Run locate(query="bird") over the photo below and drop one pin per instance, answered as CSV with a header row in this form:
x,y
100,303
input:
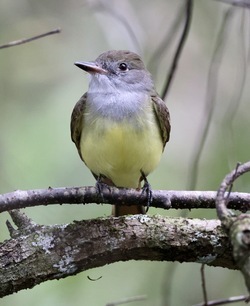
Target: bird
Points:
x,y
120,126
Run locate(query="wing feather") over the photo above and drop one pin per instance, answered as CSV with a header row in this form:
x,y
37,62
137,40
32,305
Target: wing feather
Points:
x,y
76,124
163,118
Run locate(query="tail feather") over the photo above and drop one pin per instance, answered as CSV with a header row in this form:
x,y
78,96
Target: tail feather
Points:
x,y
121,210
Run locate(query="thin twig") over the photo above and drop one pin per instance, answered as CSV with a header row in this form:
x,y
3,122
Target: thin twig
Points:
x,y
221,200
234,178
93,279
203,284
103,6
210,99
128,300
161,50
167,284
26,40
240,3
230,300
237,86
189,10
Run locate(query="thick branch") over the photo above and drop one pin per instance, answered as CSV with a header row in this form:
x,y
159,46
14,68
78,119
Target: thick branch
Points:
x,y
85,195
53,252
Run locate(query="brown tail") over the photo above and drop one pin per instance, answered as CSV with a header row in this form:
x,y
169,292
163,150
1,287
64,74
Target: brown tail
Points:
x,y
121,210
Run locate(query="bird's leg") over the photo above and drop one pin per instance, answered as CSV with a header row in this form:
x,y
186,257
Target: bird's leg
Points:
x,y
101,183
99,186
147,188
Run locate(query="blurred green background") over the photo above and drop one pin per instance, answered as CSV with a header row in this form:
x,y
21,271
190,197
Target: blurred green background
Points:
x,y
39,86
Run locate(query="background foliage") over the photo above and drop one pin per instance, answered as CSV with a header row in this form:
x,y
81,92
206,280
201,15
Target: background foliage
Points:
x,y
39,87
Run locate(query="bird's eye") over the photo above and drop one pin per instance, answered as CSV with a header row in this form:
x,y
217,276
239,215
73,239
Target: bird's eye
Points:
x,y
123,67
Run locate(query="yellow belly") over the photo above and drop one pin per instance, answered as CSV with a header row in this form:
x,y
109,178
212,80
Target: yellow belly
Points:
x,y
120,151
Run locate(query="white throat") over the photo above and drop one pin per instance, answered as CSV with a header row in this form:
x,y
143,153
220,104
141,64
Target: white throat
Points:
x,y
116,101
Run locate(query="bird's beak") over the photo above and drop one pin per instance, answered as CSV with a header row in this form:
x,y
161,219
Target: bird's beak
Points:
x,y
91,67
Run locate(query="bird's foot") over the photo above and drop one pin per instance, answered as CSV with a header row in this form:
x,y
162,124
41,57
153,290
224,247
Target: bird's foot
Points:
x,y
148,190
101,185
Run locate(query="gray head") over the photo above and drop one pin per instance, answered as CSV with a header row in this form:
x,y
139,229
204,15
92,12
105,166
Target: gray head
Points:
x,y
117,71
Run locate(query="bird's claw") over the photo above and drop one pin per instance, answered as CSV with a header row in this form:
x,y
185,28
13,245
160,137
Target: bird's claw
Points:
x,y
148,190
100,185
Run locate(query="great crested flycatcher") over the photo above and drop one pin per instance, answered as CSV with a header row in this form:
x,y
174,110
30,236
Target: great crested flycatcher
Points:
x,y
120,126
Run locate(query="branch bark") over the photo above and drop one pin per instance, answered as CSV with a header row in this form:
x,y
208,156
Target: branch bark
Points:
x,y
84,195
238,227
37,253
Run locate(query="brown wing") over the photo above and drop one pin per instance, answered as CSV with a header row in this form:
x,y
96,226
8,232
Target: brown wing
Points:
x,y
76,124
163,117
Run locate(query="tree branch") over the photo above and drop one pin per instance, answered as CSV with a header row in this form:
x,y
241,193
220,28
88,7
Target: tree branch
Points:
x,y
189,10
119,196
53,252
240,3
237,226
26,40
